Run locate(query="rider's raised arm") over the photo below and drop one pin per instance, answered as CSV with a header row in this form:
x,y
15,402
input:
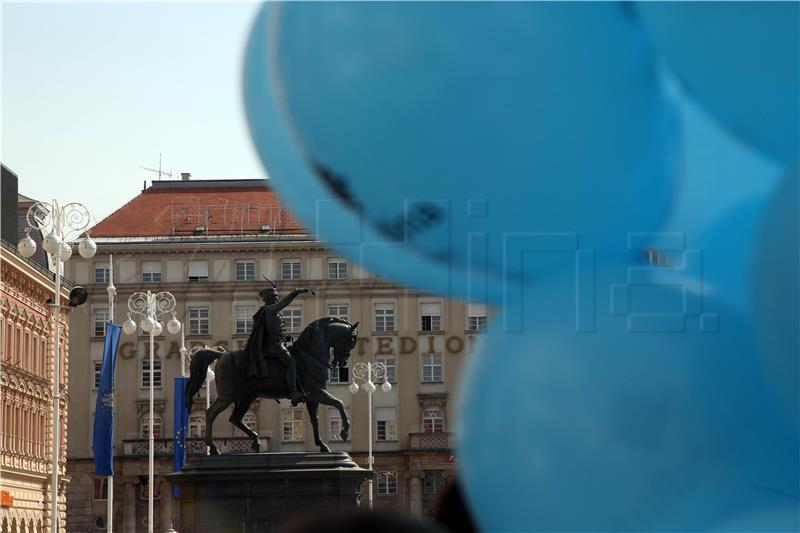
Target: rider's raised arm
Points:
x,y
286,300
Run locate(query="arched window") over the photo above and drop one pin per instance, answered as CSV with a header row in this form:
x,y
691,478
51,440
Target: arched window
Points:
x,y
433,420
197,426
144,426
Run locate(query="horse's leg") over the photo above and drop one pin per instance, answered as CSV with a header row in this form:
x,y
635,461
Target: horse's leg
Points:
x,y
239,410
326,398
216,408
312,414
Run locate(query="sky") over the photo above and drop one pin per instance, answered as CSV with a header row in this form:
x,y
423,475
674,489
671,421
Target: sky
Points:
x,y
92,92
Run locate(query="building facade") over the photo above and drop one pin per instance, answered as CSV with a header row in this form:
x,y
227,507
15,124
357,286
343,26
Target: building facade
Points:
x,y
211,243
27,368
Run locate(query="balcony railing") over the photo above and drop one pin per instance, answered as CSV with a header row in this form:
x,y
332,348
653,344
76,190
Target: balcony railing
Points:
x,y
431,441
194,446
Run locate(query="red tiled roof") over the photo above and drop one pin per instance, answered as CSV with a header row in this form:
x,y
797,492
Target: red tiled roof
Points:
x,y
219,207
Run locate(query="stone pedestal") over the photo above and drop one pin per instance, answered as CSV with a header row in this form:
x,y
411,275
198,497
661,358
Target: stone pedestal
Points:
x,y
258,492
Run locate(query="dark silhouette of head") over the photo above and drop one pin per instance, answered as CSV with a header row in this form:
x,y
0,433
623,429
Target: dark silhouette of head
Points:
x,y
269,295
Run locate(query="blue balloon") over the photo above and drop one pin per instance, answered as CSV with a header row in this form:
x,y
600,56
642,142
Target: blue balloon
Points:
x,y
603,401
776,294
467,132
741,60
341,224
717,257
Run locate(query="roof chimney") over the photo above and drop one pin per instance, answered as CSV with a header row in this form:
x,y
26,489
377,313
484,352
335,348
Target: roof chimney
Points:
x,y
185,176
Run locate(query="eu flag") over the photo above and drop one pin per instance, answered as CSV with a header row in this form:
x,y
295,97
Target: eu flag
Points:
x,y
103,438
181,425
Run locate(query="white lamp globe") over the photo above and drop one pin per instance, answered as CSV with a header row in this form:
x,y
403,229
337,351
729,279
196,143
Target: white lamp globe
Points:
x,y
129,326
353,388
87,248
386,386
157,329
370,387
51,244
27,246
148,324
66,251
174,325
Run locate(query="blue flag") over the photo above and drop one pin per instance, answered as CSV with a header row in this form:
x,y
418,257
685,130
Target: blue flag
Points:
x,y
103,438
181,417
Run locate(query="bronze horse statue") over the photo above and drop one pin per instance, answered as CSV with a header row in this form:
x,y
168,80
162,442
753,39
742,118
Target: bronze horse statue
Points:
x,y
311,350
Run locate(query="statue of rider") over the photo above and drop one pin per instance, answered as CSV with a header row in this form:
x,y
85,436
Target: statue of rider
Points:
x,y
267,339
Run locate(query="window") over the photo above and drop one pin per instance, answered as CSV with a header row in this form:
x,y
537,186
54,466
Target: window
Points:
x,y
387,483
476,317
431,316
292,425
101,273
433,420
197,426
151,271
335,424
391,368
144,431
243,319
146,373
434,481
245,270
384,317
292,319
249,420
387,423
432,369
338,310
101,317
290,269
339,375
337,269
198,270
97,366
198,321
100,489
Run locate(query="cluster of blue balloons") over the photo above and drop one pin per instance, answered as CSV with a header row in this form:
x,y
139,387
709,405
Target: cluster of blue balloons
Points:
x,y
621,180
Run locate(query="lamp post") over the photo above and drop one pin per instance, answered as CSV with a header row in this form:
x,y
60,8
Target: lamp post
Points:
x,y
151,307
60,226
365,372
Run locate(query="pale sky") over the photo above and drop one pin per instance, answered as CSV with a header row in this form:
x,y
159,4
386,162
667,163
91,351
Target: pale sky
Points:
x,y
93,91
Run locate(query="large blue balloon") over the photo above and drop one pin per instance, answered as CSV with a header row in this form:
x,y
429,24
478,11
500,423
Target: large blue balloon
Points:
x,y
741,60
641,408
776,294
341,224
470,132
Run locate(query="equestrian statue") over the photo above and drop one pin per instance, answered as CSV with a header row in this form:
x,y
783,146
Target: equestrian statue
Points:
x,y
266,368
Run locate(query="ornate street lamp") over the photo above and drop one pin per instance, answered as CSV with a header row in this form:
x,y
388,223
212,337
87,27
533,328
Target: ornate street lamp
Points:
x,y
151,307
365,372
60,226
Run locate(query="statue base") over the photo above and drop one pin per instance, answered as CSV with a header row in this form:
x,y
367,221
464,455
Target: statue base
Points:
x,y
259,492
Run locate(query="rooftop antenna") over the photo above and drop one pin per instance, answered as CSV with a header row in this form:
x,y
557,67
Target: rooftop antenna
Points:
x,y
158,171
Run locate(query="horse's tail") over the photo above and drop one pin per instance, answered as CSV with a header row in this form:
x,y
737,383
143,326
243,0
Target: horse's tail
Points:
x,y
197,374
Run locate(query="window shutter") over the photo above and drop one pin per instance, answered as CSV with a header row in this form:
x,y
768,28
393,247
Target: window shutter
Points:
x,y
431,308
474,309
198,269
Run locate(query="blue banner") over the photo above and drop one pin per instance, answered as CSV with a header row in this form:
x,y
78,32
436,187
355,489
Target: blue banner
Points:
x,y
181,418
103,437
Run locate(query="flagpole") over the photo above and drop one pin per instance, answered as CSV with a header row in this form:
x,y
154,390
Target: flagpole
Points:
x,y
112,295
183,353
